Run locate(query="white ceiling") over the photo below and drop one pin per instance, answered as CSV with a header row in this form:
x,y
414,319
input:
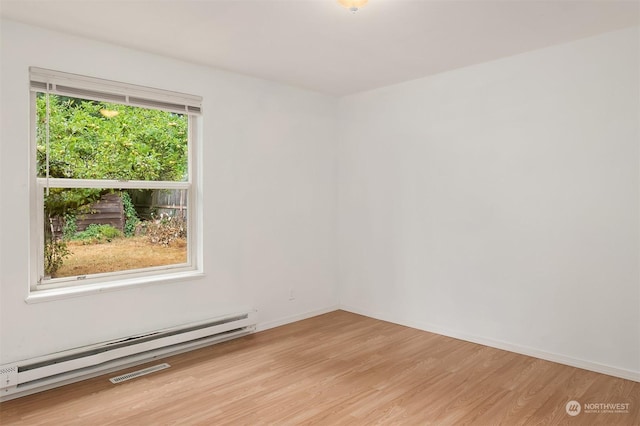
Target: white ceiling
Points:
x,y
319,45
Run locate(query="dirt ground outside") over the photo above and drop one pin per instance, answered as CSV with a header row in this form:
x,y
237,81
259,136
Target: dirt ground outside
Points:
x,y
120,254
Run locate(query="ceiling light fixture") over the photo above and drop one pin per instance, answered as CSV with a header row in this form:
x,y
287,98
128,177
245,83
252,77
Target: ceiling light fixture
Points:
x,y
353,5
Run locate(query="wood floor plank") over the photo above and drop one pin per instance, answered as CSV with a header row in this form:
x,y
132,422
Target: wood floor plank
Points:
x,y
334,369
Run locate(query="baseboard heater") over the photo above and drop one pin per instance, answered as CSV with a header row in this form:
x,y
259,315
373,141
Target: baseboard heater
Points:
x,y
49,371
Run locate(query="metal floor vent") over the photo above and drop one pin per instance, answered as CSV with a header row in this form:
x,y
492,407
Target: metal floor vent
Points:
x,y
134,374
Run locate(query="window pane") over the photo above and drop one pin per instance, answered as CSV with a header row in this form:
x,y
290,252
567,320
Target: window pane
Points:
x,y
92,231
100,140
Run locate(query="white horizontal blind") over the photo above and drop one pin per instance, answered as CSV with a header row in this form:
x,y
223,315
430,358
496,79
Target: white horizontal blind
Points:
x,y
66,84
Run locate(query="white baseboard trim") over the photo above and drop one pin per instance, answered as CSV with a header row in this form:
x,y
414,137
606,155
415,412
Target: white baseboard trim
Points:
x,y
262,326
498,344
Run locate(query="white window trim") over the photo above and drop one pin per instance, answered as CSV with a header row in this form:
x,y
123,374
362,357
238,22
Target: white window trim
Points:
x,y
97,283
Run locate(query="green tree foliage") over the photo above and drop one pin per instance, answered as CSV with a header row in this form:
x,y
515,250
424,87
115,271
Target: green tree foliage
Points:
x,y
99,140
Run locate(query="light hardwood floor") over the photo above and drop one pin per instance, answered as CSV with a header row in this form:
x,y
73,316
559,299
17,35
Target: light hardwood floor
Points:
x,y
338,368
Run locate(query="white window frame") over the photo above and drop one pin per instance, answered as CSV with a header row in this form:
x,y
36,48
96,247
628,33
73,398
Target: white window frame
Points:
x,y
56,82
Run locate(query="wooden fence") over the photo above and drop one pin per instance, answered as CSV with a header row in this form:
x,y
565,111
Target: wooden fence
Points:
x,y
153,203
109,210
106,211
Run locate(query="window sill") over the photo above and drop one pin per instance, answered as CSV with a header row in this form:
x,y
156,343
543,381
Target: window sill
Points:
x,y
37,296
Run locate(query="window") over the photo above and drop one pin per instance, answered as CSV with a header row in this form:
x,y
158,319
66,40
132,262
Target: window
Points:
x,y
113,182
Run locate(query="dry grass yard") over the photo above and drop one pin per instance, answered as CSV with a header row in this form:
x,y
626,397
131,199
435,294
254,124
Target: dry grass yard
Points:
x,y
120,254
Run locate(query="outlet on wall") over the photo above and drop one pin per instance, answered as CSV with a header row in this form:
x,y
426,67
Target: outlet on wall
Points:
x,y
292,294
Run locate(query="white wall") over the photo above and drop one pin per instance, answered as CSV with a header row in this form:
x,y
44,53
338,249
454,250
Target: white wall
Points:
x,y
497,203
500,203
269,199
